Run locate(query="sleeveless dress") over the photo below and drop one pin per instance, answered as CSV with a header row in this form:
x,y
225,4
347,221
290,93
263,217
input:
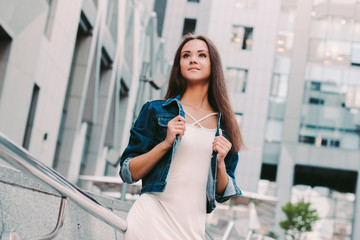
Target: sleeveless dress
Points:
x,y
180,211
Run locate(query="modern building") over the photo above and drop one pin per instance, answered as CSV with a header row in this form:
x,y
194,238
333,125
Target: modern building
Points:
x,y
71,74
293,74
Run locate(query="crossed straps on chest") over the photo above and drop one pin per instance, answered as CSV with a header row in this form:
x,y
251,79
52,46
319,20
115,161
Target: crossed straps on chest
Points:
x,y
197,122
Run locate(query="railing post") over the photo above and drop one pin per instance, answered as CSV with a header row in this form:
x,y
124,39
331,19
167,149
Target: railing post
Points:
x,y
11,235
124,187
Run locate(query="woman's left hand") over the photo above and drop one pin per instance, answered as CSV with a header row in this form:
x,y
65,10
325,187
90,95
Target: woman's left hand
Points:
x,y
222,146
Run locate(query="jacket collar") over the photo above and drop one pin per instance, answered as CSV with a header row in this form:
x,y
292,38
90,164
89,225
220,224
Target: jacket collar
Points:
x,y
177,99
170,100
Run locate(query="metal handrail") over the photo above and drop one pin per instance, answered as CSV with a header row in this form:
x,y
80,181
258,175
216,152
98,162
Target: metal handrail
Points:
x,y
21,159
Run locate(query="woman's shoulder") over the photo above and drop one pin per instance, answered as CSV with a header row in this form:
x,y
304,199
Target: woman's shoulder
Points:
x,y
155,105
161,107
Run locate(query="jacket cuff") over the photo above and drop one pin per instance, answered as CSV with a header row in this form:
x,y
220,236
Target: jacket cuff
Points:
x,y
125,171
231,190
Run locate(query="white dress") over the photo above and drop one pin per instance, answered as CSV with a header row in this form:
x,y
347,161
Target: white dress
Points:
x,y
180,211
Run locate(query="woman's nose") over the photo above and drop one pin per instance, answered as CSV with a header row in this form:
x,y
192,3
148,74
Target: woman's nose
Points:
x,y
193,59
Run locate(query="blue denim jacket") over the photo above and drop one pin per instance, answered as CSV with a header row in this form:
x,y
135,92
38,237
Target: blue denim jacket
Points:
x,y
150,129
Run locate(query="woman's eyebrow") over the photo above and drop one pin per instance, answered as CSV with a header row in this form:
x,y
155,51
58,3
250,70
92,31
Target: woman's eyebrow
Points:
x,y
188,51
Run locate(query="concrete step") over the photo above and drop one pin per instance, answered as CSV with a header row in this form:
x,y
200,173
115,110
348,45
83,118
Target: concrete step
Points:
x,y
31,208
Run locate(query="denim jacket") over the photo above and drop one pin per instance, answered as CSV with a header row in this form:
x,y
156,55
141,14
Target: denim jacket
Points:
x,y
150,129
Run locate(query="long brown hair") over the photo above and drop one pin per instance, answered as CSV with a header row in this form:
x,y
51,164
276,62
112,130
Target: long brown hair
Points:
x,y
217,93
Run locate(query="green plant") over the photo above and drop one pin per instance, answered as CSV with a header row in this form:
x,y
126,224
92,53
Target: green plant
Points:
x,y
300,218
272,235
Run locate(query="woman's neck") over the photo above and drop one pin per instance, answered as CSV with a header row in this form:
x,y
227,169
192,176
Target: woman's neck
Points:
x,y
196,97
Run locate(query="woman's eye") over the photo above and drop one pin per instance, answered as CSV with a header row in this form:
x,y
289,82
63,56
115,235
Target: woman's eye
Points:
x,y
186,55
202,55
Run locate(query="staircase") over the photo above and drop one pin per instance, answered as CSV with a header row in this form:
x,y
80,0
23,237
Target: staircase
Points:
x,y
31,208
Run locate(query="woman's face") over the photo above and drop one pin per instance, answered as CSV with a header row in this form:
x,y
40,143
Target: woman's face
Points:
x,y
195,61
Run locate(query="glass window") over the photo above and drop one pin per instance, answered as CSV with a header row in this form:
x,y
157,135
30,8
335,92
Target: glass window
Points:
x,y
282,64
355,54
110,12
241,38
316,50
274,130
31,117
189,26
320,27
236,79
246,3
287,18
239,118
279,86
268,171
356,34
340,28
337,52
50,18
160,8
330,51
317,2
284,41
353,97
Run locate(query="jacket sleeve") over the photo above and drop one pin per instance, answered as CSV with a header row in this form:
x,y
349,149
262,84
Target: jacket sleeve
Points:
x,y
141,141
231,189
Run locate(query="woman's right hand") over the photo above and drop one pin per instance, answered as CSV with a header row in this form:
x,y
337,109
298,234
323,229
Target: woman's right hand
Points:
x,y
176,126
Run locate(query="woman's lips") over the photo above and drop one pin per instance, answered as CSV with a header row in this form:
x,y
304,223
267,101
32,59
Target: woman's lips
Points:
x,y
193,69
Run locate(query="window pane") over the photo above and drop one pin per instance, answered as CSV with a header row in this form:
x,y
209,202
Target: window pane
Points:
x,y
284,41
355,54
274,130
279,85
287,18
246,3
239,117
236,80
282,64
316,50
356,31
189,26
340,28
241,38
337,52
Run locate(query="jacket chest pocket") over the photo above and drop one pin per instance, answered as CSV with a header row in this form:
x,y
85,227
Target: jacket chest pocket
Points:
x,y
162,126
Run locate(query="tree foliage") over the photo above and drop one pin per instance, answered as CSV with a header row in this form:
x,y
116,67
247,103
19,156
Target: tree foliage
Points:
x,y
300,218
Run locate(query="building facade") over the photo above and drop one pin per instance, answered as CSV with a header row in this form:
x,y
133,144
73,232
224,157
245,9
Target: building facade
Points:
x,y
70,78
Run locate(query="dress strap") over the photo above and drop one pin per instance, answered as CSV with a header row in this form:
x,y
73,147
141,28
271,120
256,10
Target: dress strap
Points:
x,y
200,120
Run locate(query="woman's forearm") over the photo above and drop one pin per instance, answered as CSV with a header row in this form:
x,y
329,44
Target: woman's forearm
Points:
x,y
221,178
142,164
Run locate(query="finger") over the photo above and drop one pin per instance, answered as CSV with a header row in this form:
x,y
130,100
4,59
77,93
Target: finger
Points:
x,y
220,145
178,132
179,124
223,140
215,148
174,124
220,132
179,118
219,151
181,133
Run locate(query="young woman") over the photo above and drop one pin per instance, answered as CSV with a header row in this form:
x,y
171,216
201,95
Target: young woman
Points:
x,y
179,149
